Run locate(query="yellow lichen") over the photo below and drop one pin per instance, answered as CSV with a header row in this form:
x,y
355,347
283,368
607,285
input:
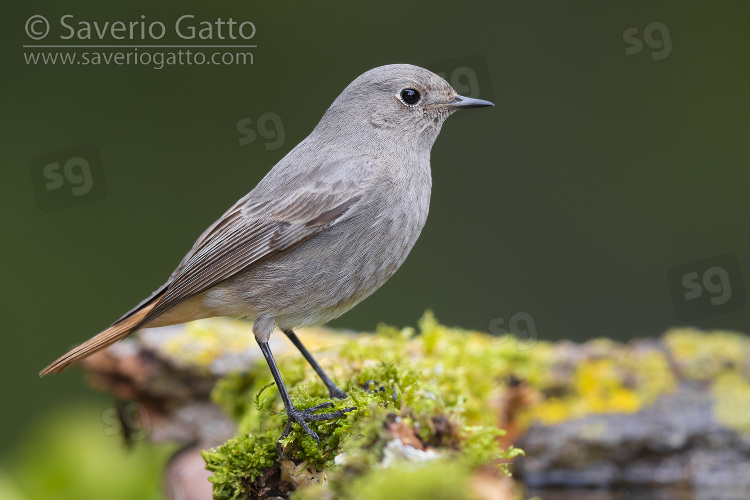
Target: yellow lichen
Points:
x,y
612,378
437,370
731,393
704,355
204,341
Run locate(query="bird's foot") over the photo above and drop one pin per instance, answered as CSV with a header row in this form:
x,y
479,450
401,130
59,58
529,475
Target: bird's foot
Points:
x,y
337,393
301,417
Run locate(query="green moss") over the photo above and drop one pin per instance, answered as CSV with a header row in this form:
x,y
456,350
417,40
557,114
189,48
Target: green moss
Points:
x,y
239,462
234,393
480,447
443,385
438,480
436,373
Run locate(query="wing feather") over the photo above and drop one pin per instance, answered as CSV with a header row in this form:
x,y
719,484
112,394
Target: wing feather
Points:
x,y
256,228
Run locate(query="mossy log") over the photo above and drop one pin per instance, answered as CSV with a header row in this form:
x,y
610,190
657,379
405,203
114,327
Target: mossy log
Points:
x,y
438,414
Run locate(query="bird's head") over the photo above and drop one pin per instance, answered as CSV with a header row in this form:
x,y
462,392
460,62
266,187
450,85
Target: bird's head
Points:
x,y
401,101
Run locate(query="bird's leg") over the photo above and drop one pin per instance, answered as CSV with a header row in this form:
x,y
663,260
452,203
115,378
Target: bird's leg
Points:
x,y
333,390
262,329
296,415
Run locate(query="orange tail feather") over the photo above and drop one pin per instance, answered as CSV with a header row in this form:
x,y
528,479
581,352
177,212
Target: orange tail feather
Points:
x,y
113,334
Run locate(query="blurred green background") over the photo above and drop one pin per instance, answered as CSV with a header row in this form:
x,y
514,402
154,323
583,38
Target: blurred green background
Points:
x,y
617,150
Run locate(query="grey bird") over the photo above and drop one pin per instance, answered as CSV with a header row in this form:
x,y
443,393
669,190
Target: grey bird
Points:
x,y
327,226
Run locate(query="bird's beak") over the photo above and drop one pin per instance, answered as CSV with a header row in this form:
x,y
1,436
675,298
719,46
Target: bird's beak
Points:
x,y
461,102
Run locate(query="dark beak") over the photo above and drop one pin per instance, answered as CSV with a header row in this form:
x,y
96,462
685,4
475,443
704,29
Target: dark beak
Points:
x,y
461,102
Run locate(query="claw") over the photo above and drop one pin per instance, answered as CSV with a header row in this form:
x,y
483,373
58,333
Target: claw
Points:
x,y
301,417
327,404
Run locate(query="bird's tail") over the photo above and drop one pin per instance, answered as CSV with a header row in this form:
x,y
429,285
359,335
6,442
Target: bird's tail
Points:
x,y
113,334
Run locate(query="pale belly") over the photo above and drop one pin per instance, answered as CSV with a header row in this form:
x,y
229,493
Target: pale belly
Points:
x,y
320,279
324,276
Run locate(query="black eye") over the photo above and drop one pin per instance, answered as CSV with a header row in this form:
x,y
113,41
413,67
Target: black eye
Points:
x,y
410,96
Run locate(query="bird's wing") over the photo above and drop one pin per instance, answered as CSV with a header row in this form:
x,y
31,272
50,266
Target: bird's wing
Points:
x,y
265,222
228,215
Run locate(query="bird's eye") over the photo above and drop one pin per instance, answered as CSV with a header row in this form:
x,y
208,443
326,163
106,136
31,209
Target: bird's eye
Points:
x,y
410,97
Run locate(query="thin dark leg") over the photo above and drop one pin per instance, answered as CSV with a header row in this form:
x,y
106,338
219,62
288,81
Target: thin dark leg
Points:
x,y
299,416
276,374
333,390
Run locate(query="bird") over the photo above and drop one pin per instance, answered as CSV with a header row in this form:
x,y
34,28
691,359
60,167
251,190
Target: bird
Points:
x,y
325,228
